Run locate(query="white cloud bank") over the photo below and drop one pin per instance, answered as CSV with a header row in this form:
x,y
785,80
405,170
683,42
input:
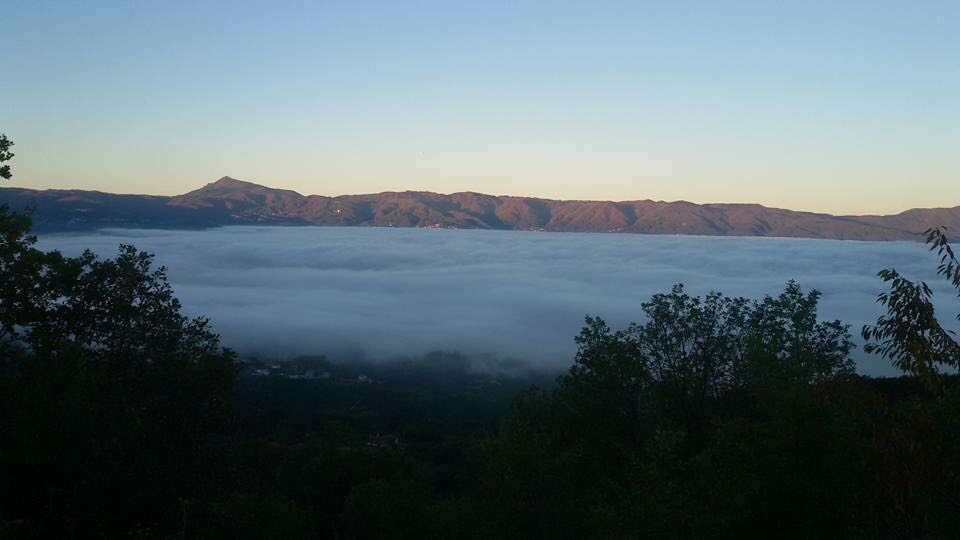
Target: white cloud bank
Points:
x,y
278,291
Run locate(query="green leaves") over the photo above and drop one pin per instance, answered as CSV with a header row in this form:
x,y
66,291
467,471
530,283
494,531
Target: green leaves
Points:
x,y
909,334
686,424
5,155
949,267
705,346
108,393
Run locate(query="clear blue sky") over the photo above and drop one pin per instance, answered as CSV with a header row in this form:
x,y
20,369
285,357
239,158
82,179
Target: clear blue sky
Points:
x,y
835,106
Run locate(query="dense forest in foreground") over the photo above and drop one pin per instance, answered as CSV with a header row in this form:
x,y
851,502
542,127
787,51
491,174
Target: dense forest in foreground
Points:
x,y
712,417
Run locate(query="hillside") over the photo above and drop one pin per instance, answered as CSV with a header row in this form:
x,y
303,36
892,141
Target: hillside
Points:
x,y
234,202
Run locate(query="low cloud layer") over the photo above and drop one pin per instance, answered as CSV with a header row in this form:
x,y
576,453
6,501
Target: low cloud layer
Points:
x,y
383,293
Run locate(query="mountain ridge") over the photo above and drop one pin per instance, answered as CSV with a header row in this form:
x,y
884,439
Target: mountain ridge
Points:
x,y
229,201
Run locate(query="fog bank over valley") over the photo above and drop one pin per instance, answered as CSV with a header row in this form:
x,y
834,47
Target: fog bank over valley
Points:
x,y
382,293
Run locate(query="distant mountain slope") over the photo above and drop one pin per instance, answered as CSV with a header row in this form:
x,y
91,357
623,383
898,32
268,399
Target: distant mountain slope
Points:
x,y
233,202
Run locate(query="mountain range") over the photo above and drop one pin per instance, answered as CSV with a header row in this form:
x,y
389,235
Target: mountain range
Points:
x,y
234,202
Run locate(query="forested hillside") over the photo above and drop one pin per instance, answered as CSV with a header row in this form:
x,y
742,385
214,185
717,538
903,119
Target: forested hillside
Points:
x,y
233,202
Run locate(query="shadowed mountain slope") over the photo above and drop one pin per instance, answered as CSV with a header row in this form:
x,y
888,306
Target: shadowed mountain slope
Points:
x,y
234,202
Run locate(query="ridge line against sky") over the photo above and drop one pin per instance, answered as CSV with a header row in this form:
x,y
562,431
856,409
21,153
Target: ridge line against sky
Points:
x,y
946,206
841,108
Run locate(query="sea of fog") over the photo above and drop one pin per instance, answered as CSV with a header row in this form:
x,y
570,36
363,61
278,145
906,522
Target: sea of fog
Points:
x,y
380,293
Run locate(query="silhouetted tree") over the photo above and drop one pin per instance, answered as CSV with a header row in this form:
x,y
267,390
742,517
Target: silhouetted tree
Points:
x,y
920,449
5,155
910,335
687,425
111,400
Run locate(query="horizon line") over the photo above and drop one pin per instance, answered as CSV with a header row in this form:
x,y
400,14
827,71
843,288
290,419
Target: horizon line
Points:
x,y
537,197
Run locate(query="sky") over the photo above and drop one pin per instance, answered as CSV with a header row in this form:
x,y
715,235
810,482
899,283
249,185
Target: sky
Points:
x,y
841,107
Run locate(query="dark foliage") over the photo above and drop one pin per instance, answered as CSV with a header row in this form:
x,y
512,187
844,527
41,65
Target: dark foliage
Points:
x,y
910,334
112,402
5,155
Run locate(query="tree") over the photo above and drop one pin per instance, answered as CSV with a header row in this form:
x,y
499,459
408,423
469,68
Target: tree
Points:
x,y
692,352
921,448
19,262
5,155
629,443
111,400
909,334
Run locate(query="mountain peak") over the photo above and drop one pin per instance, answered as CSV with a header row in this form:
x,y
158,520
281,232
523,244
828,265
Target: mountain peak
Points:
x,y
227,181
232,184
229,188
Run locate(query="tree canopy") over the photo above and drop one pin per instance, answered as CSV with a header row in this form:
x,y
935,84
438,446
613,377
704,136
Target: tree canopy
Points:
x,y
109,395
909,334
